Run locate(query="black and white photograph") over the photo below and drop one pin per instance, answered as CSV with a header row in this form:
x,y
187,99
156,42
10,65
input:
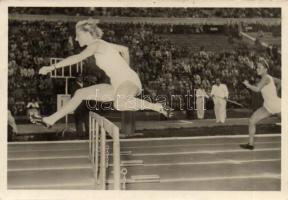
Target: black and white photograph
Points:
x,y
182,98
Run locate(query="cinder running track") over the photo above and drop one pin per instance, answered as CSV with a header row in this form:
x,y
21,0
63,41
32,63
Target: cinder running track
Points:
x,y
186,163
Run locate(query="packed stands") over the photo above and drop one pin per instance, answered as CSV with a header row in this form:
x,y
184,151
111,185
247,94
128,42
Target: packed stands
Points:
x,y
155,12
169,59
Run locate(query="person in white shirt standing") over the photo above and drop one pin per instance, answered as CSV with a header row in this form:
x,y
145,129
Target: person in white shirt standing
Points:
x,y
219,93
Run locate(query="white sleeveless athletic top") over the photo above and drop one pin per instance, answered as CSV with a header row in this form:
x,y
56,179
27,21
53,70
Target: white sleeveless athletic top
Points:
x,y
271,100
110,61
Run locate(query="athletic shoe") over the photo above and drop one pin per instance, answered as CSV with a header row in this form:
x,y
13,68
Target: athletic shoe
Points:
x,y
39,120
166,111
247,146
32,119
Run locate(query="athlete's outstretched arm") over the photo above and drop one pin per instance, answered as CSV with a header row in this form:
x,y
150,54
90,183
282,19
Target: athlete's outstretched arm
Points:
x,y
90,50
264,81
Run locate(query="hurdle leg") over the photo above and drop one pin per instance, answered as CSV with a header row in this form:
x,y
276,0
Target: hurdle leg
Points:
x,y
90,136
116,159
103,159
96,149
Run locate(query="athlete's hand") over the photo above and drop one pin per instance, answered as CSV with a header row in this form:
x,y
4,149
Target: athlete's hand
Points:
x,y
246,83
45,70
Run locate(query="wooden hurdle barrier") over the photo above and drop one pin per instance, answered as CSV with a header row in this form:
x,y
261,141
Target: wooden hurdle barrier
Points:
x,y
99,128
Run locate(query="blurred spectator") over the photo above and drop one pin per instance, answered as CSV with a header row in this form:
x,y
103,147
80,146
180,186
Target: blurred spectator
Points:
x,y
200,101
33,109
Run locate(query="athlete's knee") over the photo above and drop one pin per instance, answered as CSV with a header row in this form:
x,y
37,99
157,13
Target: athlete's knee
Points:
x,y
79,94
252,122
123,104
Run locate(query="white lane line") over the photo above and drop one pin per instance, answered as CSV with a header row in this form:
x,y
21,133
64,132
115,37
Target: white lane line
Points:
x,y
47,158
205,152
55,186
187,121
145,139
198,137
48,142
221,178
260,176
191,145
88,166
133,147
180,122
235,162
152,154
50,150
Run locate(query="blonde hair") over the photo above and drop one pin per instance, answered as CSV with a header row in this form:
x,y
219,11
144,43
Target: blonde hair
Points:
x,y
90,25
263,61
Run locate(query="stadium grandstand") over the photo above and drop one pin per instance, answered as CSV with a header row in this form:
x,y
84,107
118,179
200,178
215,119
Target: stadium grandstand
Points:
x,y
156,12
169,48
173,50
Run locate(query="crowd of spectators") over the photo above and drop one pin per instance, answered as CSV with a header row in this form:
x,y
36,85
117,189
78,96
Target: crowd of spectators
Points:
x,y
153,12
164,67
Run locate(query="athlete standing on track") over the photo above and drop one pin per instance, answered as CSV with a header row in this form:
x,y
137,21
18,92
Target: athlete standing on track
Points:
x,y
113,59
272,103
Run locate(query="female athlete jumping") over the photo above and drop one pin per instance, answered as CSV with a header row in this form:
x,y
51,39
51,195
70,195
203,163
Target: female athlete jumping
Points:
x,y
272,103
111,58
